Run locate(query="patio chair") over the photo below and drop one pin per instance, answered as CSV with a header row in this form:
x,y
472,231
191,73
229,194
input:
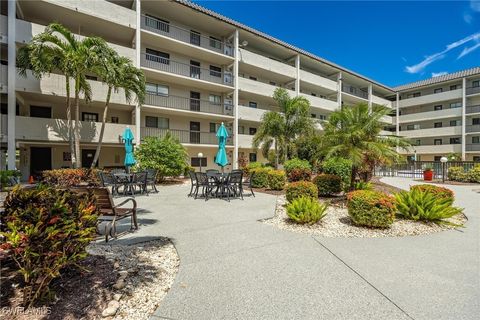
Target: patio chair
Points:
x,y
193,182
107,180
110,213
117,170
202,181
139,180
248,183
211,172
235,183
152,178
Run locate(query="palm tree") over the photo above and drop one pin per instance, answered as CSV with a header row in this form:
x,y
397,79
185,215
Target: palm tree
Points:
x,y
282,128
354,133
118,73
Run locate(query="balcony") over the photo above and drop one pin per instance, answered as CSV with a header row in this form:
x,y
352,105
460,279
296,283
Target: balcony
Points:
x,y
432,132
434,149
186,71
472,109
185,136
3,78
259,88
431,115
432,98
189,104
267,64
472,128
472,90
55,130
317,80
381,101
179,34
354,91
322,103
472,147
245,141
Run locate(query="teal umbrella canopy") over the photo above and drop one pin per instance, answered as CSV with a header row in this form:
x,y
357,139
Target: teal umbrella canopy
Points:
x,y
127,138
221,157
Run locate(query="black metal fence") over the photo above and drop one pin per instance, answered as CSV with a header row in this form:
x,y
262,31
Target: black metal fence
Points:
x,y
414,169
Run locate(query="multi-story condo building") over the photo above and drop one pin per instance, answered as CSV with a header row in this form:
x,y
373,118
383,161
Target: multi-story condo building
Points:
x,y
202,69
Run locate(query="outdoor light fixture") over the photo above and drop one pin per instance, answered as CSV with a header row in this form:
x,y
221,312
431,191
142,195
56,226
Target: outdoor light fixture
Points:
x,y
200,156
244,43
443,160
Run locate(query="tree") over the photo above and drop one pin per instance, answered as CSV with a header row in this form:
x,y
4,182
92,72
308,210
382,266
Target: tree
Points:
x,y
167,155
309,147
280,129
118,73
354,133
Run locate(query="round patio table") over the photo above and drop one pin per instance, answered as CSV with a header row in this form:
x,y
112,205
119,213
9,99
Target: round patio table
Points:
x,y
125,179
218,180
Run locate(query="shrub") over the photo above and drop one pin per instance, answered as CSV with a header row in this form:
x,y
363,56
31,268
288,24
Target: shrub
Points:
x,y
306,210
362,185
328,184
456,174
46,230
276,179
371,208
260,177
474,174
439,192
66,178
340,167
187,170
301,189
166,155
8,177
421,204
298,170
253,165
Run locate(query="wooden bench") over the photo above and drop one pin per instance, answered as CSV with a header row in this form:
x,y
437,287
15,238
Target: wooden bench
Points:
x,y
111,213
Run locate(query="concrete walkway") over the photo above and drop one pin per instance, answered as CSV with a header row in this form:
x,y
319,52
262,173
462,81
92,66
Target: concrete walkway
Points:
x,y
234,267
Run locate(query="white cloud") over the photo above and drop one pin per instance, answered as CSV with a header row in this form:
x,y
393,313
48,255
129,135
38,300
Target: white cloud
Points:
x,y
419,67
467,17
475,5
468,50
438,74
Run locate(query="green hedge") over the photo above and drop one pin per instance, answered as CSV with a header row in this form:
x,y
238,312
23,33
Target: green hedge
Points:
x,y
260,177
328,184
298,170
459,174
276,179
340,167
301,189
371,208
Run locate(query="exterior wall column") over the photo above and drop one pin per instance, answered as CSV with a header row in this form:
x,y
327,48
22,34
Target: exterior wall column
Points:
x,y
370,93
137,55
464,117
397,116
12,152
235,100
339,89
297,79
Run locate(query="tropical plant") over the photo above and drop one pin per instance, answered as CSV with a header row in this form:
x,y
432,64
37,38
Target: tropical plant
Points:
x,y
301,189
354,133
166,155
66,178
474,174
438,192
340,167
328,184
280,129
7,177
298,170
457,174
45,230
276,179
260,177
306,210
309,147
371,208
362,185
418,204
118,73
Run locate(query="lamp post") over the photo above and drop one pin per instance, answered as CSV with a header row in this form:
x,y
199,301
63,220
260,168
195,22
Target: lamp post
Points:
x,y
443,160
200,156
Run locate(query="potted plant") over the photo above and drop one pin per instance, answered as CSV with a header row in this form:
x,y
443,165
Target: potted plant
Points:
x,y
428,173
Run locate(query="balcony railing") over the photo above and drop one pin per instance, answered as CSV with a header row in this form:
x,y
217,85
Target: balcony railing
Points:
x,y
472,147
190,104
472,90
473,109
184,136
172,31
473,128
187,70
354,91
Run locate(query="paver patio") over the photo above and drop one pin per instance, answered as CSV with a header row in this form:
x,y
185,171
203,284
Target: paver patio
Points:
x,y
234,267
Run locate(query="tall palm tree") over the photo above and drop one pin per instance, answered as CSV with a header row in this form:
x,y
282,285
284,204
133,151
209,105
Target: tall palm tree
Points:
x,y
283,127
354,133
118,73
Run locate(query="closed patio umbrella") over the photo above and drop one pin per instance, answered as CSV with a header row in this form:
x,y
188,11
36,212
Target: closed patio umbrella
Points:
x,y
221,157
127,138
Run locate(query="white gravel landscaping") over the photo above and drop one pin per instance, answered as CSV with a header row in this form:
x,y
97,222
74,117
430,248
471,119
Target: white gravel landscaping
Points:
x,y
145,271
337,224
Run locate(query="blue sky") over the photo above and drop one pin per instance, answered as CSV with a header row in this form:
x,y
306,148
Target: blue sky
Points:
x,y
393,42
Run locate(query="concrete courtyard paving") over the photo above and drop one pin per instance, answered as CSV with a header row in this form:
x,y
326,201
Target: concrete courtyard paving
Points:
x,y
234,267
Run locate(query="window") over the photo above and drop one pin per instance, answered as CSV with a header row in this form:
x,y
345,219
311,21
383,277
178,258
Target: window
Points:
x,y
252,131
151,122
197,162
410,127
437,142
313,94
157,56
455,141
417,142
252,157
40,112
195,37
437,158
438,107
272,83
91,77
438,90
476,139
475,121
476,84
215,99
215,71
114,120
156,89
476,158
252,104
215,43
241,130
413,95
157,23
313,115
455,105
453,87
163,123
454,123
88,116
214,126
322,117
252,78
437,125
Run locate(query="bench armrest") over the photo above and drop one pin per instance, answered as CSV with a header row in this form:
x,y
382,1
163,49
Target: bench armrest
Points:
x,y
127,200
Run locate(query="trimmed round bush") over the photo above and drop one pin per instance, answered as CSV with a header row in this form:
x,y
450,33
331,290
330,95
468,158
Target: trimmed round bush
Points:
x,y
298,170
300,175
474,174
328,184
251,166
456,174
371,208
260,177
439,192
276,179
301,189
306,210
340,167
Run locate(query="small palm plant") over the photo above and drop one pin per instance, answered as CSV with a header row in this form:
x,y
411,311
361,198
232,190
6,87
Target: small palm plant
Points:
x,y
306,210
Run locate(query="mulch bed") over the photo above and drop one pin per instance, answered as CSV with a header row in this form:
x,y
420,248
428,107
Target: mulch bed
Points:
x,y
267,191
383,187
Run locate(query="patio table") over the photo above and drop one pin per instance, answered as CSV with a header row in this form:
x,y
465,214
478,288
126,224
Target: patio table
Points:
x,y
125,179
218,180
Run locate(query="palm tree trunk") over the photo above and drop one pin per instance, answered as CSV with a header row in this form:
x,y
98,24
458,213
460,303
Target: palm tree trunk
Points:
x,y
78,163
353,177
69,123
276,154
102,130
